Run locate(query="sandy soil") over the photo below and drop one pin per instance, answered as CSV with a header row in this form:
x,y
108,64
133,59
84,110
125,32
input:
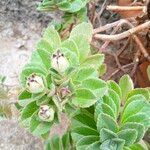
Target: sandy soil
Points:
x,y
20,29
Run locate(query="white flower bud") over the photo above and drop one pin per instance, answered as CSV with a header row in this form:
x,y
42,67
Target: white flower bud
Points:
x,y
64,91
59,62
35,84
46,113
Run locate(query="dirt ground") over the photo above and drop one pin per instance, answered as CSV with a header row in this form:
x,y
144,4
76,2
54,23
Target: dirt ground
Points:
x,y
21,26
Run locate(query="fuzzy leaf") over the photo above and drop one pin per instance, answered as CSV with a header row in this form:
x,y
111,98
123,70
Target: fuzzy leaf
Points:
x,y
93,146
143,91
134,98
83,46
126,85
24,98
84,98
29,69
115,97
141,118
38,127
41,57
28,110
45,45
52,36
85,73
114,86
139,146
113,144
71,56
83,120
94,61
72,6
53,143
98,86
129,135
109,101
104,108
83,29
87,140
105,121
71,45
135,107
137,126
102,70
85,131
106,134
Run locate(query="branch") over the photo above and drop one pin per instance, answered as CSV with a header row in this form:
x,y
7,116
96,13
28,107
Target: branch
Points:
x,y
124,34
126,8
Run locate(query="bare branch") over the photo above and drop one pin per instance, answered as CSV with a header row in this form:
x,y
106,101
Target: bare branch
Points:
x,y
123,35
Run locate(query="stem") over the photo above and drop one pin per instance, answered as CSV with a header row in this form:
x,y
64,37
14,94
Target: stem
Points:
x,y
124,34
107,26
126,8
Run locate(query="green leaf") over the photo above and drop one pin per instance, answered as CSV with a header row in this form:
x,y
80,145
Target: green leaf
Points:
x,y
85,73
141,118
42,100
77,5
52,36
55,143
45,45
129,135
24,98
105,121
41,57
142,91
109,101
115,97
83,119
38,127
87,140
84,29
71,45
29,69
137,126
83,131
135,107
134,98
102,70
84,98
104,108
126,85
93,146
71,56
106,134
139,146
94,61
98,86
113,144
66,141
83,46
28,110
114,86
